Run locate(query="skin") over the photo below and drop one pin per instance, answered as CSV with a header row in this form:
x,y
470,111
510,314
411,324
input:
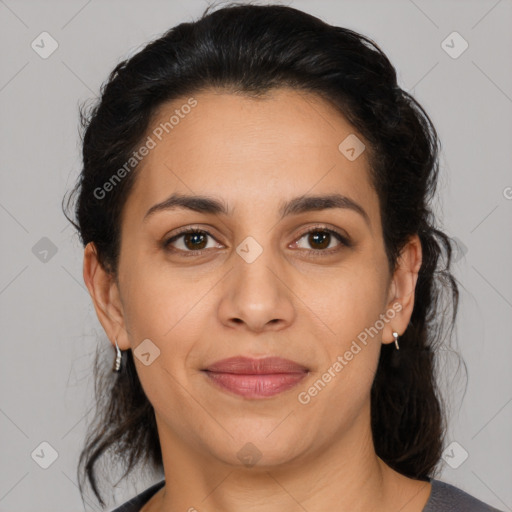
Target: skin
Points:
x,y
254,154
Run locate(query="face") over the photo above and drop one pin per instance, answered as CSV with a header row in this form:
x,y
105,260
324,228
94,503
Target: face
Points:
x,y
267,274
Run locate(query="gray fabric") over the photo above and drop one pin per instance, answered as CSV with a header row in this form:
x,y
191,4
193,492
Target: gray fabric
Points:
x,y
443,498
448,498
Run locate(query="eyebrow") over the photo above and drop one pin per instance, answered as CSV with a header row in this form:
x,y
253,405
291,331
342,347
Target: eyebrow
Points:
x,y
295,206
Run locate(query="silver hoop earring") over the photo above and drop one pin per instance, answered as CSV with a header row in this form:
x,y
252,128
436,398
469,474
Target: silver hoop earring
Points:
x,y
395,335
117,362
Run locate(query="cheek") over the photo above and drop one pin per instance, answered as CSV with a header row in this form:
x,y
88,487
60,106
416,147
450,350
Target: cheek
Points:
x,y
349,302
341,385
172,309
168,312
160,307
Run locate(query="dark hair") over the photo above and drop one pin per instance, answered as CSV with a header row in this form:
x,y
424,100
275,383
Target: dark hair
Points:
x,y
252,49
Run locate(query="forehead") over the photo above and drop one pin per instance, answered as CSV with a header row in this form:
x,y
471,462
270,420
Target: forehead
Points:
x,y
251,151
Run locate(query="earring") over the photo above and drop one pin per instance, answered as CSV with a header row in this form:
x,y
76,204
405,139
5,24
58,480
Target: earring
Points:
x,y
117,362
395,335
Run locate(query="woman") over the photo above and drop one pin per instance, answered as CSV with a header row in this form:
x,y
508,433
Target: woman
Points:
x,y
260,250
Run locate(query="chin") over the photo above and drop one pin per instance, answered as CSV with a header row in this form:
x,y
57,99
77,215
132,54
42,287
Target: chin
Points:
x,y
256,449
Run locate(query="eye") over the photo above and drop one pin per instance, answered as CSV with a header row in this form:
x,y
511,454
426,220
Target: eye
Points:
x,y
193,241
321,240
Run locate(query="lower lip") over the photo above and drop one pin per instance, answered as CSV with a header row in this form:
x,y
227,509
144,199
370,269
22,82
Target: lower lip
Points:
x,y
256,386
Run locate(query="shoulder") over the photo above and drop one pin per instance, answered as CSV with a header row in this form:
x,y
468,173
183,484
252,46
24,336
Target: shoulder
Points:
x,y
137,502
445,497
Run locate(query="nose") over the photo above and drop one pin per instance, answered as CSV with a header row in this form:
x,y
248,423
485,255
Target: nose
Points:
x,y
257,296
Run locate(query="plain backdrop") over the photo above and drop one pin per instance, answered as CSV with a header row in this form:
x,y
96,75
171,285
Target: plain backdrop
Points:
x,y
49,327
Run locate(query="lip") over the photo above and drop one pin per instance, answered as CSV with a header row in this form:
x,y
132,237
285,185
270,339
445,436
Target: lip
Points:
x,y
256,378
251,366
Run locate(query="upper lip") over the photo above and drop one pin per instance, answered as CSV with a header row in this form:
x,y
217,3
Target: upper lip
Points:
x,y
250,366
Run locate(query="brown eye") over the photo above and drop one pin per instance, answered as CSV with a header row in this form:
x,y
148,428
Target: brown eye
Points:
x,y
191,240
195,241
322,240
319,239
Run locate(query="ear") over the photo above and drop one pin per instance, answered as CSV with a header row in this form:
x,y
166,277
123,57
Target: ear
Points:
x,y
104,292
402,289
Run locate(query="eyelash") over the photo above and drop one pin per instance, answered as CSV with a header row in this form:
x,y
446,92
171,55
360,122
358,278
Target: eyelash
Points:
x,y
314,252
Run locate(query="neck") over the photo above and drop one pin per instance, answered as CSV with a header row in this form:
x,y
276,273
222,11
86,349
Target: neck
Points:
x,y
346,475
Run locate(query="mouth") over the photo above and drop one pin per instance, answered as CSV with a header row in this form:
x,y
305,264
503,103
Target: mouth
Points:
x,y
255,378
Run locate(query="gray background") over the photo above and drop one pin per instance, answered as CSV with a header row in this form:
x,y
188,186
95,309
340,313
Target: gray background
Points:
x,y
49,327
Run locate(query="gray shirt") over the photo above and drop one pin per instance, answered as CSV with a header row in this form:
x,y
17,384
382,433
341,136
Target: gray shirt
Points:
x,y
443,498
